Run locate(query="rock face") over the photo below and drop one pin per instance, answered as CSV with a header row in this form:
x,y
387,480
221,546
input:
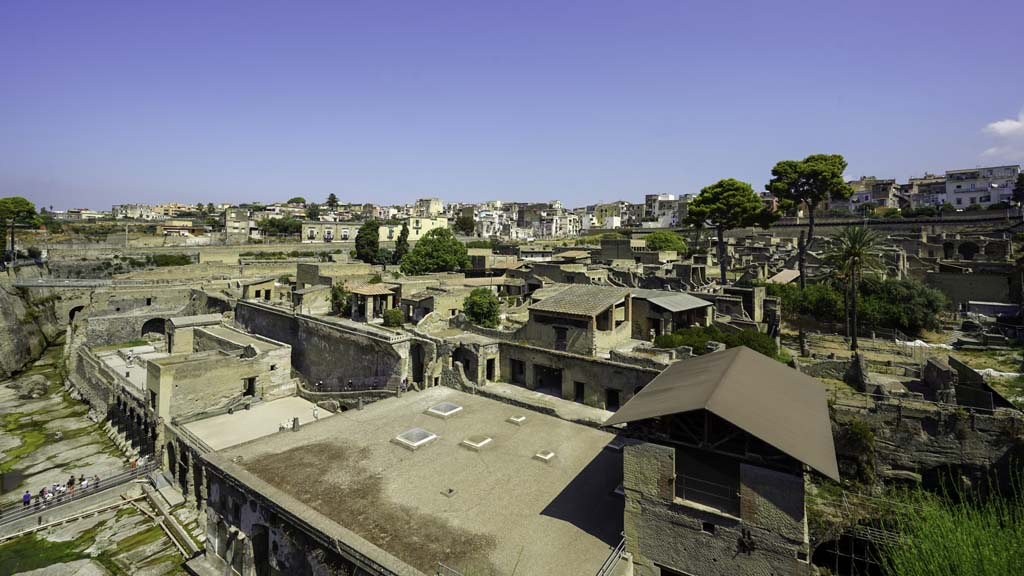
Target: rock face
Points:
x,y
27,324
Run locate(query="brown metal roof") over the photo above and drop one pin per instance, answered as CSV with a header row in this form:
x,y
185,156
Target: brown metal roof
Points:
x,y
767,399
371,289
581,300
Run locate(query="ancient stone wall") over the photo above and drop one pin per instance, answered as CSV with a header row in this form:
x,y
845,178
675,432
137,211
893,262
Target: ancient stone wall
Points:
x,y
322,352
662,531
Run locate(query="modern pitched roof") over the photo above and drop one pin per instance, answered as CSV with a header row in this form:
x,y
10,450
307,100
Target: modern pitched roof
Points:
x,y
671,301
765,398
784,277
581,300
378,289
198,320
573,254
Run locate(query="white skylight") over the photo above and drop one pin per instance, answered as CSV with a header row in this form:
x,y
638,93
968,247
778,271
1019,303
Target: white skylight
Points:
x,y
444,410
476,442
415,438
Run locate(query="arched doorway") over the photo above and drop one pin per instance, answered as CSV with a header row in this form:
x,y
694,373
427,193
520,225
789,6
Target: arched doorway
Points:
x,y
154,326
183,472
74,312
948,250
172,458
416,359
968,250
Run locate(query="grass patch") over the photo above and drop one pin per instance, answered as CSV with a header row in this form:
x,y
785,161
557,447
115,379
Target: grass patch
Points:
x,y
32,552
140,539
951,534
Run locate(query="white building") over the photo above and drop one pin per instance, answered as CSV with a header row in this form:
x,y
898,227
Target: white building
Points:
x,y
981,186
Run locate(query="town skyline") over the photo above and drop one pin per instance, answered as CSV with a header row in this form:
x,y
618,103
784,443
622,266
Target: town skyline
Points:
x,y
585,104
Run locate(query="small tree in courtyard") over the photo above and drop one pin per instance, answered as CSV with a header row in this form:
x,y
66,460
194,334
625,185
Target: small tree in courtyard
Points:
x,y
482,308
393,317
340,298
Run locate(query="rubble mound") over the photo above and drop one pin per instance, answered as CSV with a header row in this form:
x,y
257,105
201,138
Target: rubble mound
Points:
x,y
29,387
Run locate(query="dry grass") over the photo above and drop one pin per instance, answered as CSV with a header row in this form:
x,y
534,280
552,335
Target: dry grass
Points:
x,y
357,501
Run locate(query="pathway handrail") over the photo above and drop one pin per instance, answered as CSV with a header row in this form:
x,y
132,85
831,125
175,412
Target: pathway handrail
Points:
x,y
16,510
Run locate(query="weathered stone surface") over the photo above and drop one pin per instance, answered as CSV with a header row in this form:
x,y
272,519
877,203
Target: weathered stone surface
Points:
x,y
76,568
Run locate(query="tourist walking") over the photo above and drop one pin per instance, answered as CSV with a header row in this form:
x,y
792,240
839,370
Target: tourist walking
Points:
x,y
26,499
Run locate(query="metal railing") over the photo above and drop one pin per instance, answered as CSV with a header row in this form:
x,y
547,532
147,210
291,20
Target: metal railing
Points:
x,y
17,510
613,559
444,570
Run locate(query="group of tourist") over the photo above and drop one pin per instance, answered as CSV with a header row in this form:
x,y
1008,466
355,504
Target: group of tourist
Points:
x,y
59,491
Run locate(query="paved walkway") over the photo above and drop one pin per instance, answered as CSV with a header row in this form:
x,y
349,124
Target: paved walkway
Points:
x,y
261,420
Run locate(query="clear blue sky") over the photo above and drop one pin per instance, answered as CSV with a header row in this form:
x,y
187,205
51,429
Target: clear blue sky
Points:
x,y
583,101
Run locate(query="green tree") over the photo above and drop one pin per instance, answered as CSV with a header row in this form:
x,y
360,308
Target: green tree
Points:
x,y
725,205
853,251
665,240
279,226
465,225
437,251
296,200
16,210
313,212
402,244
332,201
482,308
393,317
1018,189
340,298
810,181
210,209
368,241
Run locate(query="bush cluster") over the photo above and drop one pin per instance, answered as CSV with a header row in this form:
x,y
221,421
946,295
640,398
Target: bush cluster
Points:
x,y
905,305
698,337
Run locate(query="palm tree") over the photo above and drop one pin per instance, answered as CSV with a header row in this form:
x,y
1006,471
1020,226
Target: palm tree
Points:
x,y
852,252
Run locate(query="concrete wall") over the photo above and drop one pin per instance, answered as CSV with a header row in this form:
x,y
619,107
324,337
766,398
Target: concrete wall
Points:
x,y
960,288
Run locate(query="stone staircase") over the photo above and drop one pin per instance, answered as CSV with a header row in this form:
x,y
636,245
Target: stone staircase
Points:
x,y
120,440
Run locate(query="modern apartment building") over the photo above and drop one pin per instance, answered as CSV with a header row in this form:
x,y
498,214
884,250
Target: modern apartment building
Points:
x,y
980,186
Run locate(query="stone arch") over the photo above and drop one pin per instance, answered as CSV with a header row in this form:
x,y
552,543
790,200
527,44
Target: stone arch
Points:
x,y
995,250
172,458
468,358
154,326
417,362
74,312
968,250
948,250
183,471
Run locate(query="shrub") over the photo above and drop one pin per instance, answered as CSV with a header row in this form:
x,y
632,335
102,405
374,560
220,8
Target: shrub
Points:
x,y
393,317
482,308
161,260
698,337
340,298
664,240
